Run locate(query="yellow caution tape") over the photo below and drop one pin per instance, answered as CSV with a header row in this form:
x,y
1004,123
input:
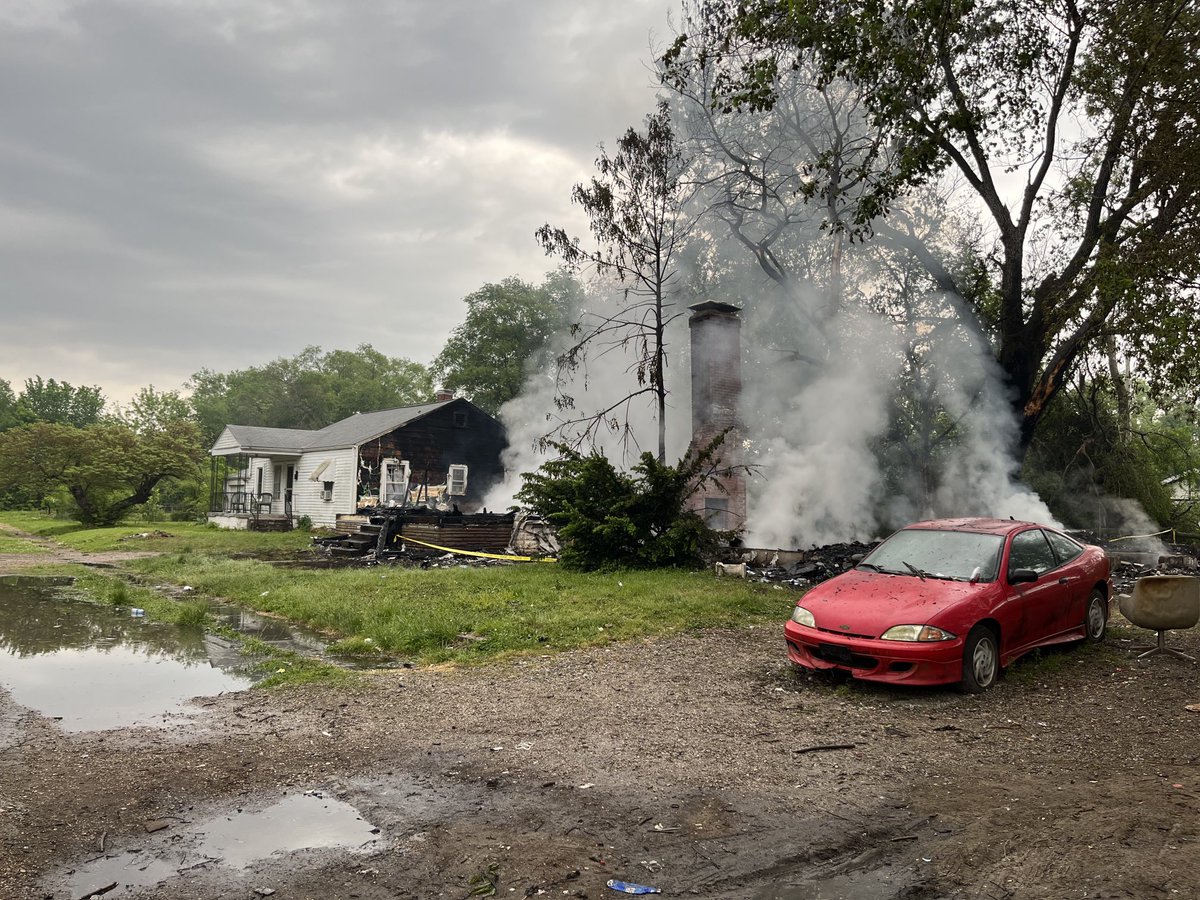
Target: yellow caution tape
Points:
x,y
1130,537
407,539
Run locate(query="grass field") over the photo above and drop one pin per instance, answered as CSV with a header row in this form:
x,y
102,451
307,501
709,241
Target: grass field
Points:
x,y
436,615
188,537
464,615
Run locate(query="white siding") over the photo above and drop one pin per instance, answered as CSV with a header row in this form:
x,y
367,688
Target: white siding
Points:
x,y
306,493
225,442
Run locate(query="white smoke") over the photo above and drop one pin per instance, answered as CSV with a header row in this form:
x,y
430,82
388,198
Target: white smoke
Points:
x,y
818,480
603,378
826,429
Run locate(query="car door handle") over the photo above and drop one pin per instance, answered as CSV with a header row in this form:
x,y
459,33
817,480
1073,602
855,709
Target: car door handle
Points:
x,y
1064,580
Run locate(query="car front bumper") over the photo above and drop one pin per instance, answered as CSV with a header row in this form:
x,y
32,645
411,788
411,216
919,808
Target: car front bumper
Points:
x,y
897,662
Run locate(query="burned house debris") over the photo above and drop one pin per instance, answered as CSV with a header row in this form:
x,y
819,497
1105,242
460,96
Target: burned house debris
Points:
x,y
439,458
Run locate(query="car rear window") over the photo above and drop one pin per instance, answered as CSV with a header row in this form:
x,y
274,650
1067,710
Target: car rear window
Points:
x,y
1065,548
941,554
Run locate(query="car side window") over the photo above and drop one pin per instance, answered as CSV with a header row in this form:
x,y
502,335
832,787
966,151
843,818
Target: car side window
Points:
x,y
1031,551
1064,548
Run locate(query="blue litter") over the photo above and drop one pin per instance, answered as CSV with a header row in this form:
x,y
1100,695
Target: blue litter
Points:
x,y
628,887
137,613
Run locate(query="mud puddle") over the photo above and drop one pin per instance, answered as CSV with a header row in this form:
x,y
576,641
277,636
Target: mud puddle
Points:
x,y
94,667
242,843
885,883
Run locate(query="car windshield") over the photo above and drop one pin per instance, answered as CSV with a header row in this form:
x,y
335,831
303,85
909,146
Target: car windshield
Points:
x,y
924,553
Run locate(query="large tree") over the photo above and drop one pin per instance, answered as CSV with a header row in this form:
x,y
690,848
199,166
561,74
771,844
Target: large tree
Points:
x,y
309,390
9,413
1073,123
637,211
48,400
506,334
106,469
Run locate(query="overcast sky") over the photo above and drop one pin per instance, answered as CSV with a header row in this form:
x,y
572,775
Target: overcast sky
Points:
x,y
217,183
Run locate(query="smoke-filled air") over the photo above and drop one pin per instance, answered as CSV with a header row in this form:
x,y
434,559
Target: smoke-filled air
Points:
x,y
871,396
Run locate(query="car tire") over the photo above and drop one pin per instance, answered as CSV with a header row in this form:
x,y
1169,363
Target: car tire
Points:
x,y
981,660
1095,617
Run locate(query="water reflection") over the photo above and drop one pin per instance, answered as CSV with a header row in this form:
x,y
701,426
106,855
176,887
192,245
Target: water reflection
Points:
x,y
95,667
301,822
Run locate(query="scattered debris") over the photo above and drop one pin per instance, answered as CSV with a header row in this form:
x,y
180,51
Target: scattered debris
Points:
x,y
628,887
137,613
734,570
484,883
143,535
156,825
799,568
533,536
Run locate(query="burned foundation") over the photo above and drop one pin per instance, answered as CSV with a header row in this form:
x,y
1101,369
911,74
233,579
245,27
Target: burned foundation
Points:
x,y
716,396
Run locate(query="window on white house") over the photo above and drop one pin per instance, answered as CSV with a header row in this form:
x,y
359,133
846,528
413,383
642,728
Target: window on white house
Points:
x,y
327,490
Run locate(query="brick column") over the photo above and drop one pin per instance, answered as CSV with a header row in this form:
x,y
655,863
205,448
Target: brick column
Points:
x,y
716,397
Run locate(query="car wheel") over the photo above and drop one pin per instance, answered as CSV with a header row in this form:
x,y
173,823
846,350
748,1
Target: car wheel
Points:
x,y
1096,617
981,660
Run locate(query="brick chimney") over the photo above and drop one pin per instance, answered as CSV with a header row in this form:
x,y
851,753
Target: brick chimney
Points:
x,y
716,330
443,395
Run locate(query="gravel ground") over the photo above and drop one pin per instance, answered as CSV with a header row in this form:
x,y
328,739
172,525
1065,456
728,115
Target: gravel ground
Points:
x,y
683,763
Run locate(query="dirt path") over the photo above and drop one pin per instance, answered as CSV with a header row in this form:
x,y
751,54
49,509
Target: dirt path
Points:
x,y
51,552
677,763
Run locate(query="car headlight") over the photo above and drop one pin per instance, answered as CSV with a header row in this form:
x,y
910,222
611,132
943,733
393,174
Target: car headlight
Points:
x,y
915,633
802,616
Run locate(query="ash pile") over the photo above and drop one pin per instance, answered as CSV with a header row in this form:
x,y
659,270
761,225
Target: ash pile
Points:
x,y
1167,559
796,568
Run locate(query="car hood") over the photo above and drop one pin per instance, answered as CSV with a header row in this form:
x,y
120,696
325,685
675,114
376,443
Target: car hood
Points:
x,y
869,603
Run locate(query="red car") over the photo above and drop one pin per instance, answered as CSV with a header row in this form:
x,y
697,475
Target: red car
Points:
x,y
953,600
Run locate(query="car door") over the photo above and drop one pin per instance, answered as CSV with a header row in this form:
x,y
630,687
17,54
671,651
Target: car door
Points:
x,y
1038,604
1073,569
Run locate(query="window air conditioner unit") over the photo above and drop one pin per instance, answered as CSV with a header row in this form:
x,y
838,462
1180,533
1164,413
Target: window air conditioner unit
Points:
x,y
327,491
456,483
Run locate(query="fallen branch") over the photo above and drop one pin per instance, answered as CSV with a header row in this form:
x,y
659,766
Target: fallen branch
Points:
x,y
818,748
99,891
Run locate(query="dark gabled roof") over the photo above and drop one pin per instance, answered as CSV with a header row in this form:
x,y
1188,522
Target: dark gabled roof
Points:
x,y
362,427
349,432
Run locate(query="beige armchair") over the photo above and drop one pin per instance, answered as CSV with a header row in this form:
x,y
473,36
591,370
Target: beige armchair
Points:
x,y
1160,603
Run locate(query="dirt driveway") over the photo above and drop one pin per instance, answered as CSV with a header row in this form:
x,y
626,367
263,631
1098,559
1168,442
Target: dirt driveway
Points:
x,y
682,763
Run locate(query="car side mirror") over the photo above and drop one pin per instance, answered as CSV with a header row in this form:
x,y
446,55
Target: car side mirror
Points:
x,y
1022,576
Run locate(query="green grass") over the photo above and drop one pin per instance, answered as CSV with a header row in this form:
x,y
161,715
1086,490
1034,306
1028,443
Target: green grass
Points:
x,y
12,544
184,536
468,615
277,667
460,615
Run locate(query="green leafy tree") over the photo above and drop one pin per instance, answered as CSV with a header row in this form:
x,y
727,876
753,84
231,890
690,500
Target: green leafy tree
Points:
x,y
60,403
637,207
1102,229
309,390
608,518
152,410
9,412
505,335
106,469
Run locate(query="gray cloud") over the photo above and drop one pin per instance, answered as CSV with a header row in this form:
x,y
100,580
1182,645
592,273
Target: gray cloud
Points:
x,y
187,184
